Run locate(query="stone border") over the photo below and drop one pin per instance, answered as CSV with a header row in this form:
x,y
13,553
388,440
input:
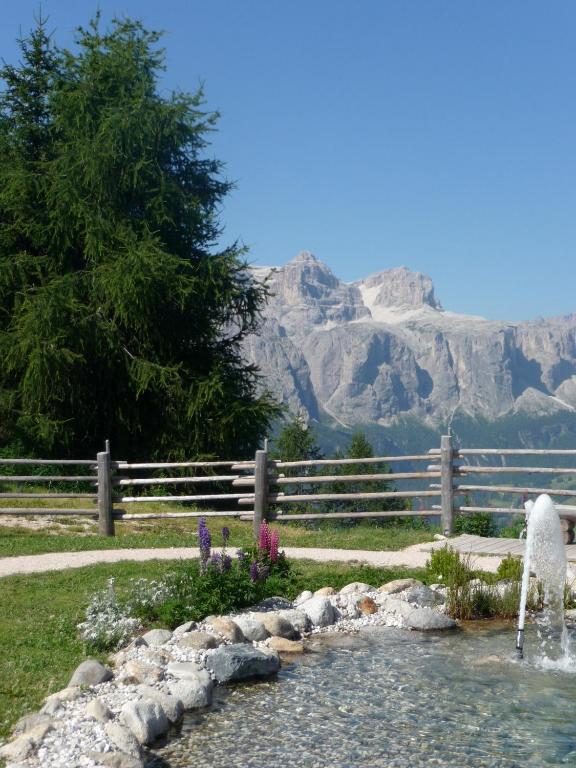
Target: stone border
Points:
x,y
107,718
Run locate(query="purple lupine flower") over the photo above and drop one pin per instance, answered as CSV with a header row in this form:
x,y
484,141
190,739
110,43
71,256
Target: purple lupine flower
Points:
x,y
225,533
254,571
240,554
226,563
216,559
264,537
205,542
274,542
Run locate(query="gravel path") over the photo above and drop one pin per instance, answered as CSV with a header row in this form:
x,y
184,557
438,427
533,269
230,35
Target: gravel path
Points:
x,y
412,557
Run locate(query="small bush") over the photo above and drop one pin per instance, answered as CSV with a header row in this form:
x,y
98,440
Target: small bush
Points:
x,y
510,568
477,524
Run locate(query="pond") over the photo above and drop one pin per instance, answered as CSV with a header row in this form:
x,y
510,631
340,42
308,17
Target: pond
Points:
x,y
393,699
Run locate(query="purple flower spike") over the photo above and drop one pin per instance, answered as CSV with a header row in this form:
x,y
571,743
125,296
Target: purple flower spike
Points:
x,y
225,533
254,571
204,541
226,563
240,554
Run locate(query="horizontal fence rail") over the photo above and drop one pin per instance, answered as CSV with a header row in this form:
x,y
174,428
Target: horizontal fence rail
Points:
x,y
452,482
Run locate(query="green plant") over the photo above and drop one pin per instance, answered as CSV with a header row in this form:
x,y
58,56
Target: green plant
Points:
x,y
476,523
510,568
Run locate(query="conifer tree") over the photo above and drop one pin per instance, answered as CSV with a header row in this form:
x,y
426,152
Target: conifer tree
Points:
x,y
120,316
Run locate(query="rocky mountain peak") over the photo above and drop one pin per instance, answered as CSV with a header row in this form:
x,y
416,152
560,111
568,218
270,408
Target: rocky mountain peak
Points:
x,y
399,287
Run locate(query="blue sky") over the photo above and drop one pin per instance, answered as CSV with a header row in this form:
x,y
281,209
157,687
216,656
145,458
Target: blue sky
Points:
x,y
435,134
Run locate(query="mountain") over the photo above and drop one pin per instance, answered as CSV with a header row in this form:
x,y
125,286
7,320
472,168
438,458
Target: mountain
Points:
x,y
383,350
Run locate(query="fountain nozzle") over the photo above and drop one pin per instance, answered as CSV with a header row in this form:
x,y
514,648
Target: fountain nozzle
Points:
x,y
520,644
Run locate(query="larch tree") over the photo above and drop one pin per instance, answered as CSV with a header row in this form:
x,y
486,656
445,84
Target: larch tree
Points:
x,y
120,317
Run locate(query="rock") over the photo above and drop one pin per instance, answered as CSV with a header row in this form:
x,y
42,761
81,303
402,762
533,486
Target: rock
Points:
x,y
425,620
28,722
275,624
200,640
345,606
90,672
398,585
282,645
303,596
172,705
183,629
157,637
140,672
272,604
357,586
319,610
325,592
54,701
193,692
419,594
367,606
146,719
440,537
23,746
299,619
226,628
252,629
98,710
184,670
123,738
231,663
115,760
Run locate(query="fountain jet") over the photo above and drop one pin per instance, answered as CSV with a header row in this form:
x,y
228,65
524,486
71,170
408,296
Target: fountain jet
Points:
x,y
545,556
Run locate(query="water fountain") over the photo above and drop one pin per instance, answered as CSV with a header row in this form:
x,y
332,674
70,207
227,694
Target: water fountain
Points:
x,y
545,556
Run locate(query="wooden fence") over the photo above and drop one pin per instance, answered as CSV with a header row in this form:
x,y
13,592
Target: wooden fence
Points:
x,y
258,490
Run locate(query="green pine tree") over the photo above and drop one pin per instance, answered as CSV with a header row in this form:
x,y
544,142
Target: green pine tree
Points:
x,y
120,317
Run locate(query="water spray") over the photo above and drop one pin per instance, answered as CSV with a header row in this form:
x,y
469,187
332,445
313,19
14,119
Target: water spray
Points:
x,y
545,556
524,593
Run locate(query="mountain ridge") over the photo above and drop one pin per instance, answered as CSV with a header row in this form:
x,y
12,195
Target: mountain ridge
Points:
x,y
383,348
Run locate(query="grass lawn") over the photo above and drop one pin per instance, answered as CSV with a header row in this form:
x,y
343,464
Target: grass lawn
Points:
x,y
65,535
39,613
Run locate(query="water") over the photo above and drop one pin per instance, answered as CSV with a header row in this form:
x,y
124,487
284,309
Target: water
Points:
x,y
392,699
546,557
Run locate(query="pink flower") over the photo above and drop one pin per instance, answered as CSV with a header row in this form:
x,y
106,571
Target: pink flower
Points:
x,y
264,537
274,542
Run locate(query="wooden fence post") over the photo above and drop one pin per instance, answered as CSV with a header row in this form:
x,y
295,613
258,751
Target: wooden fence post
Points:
x,y
105,519
260,490
447,483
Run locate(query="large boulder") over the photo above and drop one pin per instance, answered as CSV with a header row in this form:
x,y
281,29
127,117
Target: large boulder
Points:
x,y
123,738
398,585
420,595
194,691
297,618
23,746
172,705
115,760
319,610
184,670
199,640
226,628
157,637
231,663
426,620
357,586
282,645
252,629
90,672
146,719
275,624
